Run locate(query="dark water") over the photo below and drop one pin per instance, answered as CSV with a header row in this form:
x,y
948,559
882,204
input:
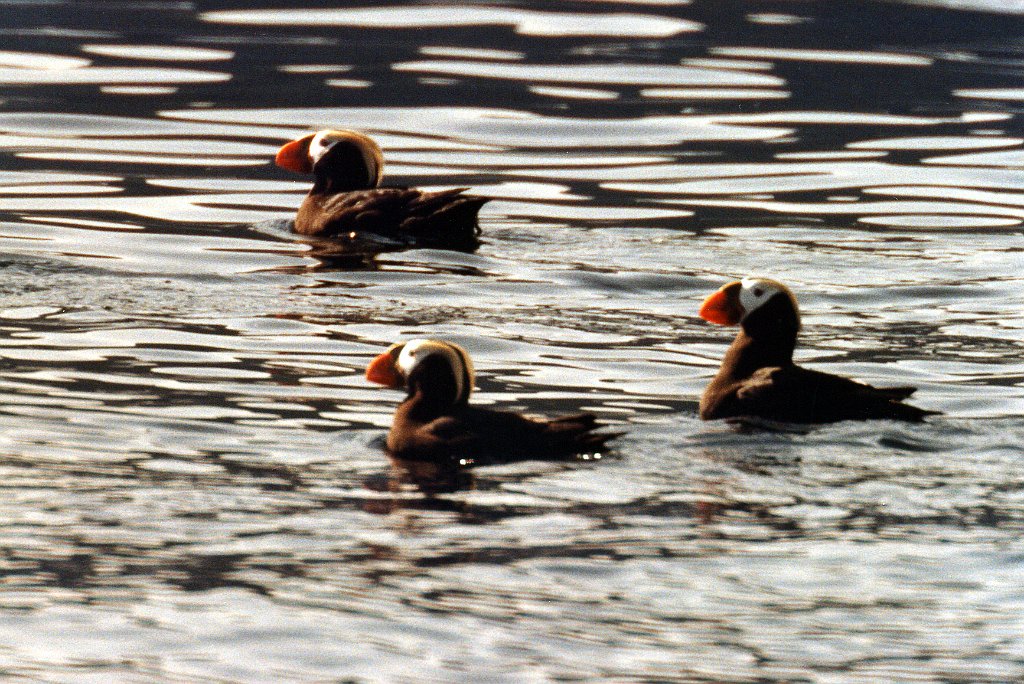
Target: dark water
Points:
x,y
193,486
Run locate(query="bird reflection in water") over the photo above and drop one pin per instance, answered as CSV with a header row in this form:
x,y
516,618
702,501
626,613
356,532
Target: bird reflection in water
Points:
x,y
427,477
444,476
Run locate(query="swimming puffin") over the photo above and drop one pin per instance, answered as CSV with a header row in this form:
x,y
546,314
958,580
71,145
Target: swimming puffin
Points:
x,y
758,378
436,423
346,200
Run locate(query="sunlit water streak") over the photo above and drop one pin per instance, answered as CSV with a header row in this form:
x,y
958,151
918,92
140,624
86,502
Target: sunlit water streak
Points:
x,y
192,459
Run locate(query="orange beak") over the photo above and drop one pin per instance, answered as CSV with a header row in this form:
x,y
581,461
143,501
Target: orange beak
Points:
x,y
723,307
383,372
294,156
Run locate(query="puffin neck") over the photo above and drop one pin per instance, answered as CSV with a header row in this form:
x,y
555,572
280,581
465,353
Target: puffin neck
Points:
x,y
342,168
432,388
767,336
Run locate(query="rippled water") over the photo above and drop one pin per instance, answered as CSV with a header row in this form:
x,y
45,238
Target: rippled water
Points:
x,y
193,481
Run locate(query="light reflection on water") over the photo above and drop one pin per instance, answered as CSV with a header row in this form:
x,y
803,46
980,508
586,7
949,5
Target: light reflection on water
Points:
x,y
526,22
192,459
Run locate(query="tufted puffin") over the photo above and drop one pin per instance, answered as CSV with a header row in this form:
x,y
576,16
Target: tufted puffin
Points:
x,y
436,423
345,200
758,378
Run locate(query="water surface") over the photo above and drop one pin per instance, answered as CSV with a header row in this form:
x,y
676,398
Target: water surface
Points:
x,y
191,458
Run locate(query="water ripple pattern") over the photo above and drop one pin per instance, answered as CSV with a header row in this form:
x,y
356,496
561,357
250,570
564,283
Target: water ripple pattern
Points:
x,y
192,459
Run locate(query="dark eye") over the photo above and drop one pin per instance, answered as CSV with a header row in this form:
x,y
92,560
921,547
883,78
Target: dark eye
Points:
x,y
758,292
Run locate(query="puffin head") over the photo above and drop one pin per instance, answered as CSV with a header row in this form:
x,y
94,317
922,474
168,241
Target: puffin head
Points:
x,y
751,302
439,370
351,159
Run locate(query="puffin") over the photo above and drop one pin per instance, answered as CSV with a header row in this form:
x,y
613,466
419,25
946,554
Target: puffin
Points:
x,y
436,423
346,199
758,379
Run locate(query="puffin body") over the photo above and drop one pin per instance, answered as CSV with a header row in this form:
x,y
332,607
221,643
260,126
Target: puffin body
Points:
x,y
436,423
758,379
346,200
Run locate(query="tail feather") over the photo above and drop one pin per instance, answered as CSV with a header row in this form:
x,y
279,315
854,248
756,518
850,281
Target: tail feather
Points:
x,y
889,404
435,198
440,202
909,413
458,216
593,442
581,420
446,217
573,434
897,393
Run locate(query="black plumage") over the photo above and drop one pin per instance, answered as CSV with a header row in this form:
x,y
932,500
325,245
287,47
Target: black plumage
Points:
x,y
346,200
758,378
436,423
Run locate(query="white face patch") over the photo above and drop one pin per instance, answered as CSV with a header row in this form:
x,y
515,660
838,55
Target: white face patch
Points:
x,y
754,292
414,351
319,145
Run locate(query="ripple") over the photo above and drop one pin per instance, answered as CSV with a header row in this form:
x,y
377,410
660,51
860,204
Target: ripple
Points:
x,y
120,158
190,454
45,123
166,465
207,208
940,222
935,143
835,56
141,91
13,178
574,93
471,53
107,75
861,118
777,19
720,63
589,212
503,158
56,189
714,94
33,60
85,223
855,208
502,127
525,22
314,68
608,74
1013,94
161,53
28,312
522,190
348,83
138,145
1009,159
784,176
1000,6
